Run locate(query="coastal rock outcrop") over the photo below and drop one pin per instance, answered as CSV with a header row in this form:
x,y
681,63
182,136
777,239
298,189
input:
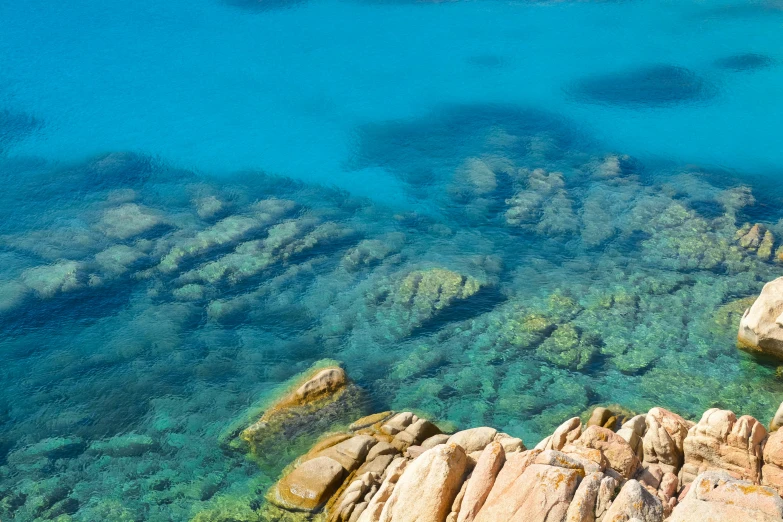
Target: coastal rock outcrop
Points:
x,y
716,496
721,441
761,327
659,466
315,400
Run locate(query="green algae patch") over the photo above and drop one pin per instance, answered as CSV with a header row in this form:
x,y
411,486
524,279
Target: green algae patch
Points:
x,y
568,348
229,509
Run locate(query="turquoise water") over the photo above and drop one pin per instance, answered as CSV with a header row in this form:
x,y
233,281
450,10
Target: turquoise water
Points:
x,y
492,212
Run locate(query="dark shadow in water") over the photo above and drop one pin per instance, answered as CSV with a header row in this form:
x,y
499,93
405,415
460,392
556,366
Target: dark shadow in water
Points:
x,y
486,61
744,62
749,9
648,87
708,209
15,126
424,151
485,300
264,5
83,307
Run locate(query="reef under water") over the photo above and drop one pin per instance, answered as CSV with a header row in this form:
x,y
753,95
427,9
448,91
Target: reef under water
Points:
x,y
151,305
468,205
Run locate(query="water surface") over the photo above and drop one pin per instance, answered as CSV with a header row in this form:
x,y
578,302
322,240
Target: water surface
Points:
x,y
491,212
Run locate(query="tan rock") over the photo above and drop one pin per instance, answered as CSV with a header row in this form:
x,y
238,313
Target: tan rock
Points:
x,y
414,452
618,452
760,326
669,485
637,424
559,459
456,506
539,494
398,423
716,494
591,460
516,464
351,496
582,507
427,488
650,476
634,501
381,448
777,420
764,251
474,439
421,430
751,239
328,442
632,438
318,396
372,512
481,481
772,470
325,382
599,416
698,511
434,441
509,443
309,486
350,454
403,440
376,465
664,438
606,492
370,420
720,441
567,432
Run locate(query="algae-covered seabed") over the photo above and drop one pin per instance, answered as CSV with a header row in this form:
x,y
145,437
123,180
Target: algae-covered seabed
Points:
x,y
144,308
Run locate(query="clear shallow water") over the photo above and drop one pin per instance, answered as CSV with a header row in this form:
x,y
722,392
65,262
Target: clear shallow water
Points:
x,y
147,298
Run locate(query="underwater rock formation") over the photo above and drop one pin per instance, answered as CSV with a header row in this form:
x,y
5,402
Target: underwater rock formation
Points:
x,y
386,469
317,399
166,302
744,62
761,327
756,238
651,86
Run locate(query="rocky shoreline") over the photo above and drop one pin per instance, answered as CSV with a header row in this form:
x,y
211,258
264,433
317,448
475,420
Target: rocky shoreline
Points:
x,y
651,467
614,467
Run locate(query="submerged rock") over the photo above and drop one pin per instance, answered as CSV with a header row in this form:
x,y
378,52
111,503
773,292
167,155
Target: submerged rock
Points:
x,y
651,86
317,399
128,220
50,280
128,445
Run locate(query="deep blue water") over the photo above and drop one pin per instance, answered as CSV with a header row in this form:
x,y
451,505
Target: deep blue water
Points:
x,y
491,212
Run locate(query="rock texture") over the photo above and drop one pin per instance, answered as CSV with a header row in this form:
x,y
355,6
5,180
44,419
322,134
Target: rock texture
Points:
x,y
720,441
397,467
315,400
761,327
